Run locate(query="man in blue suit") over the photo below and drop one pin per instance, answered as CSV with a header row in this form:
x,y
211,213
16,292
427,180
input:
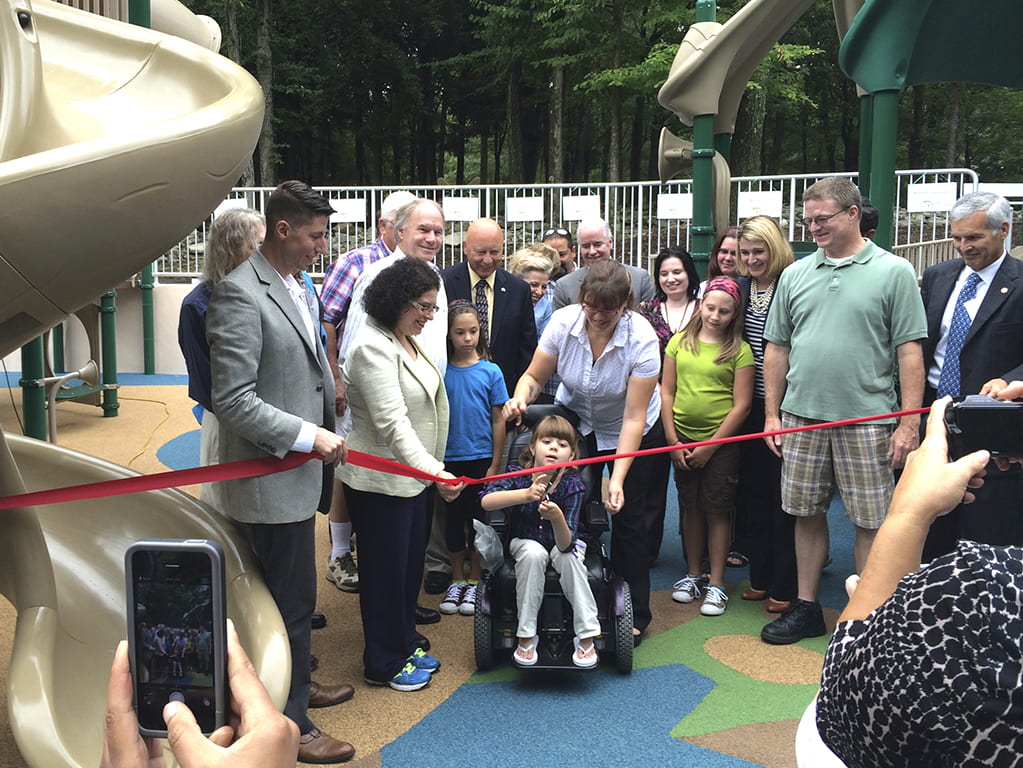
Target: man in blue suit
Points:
x,y
974,345
509,323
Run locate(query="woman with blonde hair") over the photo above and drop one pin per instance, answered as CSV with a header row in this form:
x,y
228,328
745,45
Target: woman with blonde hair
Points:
x,y
235,235
763,526
534,264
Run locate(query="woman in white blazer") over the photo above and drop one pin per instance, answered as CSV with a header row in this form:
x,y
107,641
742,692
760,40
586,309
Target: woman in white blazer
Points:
x,y
399,411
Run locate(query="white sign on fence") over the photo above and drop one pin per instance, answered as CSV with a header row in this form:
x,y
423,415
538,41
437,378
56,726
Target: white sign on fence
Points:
x,y
461,208
523,208
579,207
935,196
760,203
348,210
674,205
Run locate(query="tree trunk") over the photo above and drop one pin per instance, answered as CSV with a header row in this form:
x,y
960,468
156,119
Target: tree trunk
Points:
x,y
232,49
954,117
556,161
636,140
614,172
916,134
265,75
514,118
748,138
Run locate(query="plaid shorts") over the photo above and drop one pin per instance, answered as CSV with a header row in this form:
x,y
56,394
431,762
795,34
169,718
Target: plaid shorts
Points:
x,y
854,457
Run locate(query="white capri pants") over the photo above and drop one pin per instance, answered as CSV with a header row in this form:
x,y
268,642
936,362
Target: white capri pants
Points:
x,y
531,558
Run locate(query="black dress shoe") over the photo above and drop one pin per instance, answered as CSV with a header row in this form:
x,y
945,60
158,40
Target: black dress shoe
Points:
x,y
422,641
426,615
319,621
437,582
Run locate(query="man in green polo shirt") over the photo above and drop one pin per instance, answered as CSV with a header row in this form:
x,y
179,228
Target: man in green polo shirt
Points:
x,y
841,319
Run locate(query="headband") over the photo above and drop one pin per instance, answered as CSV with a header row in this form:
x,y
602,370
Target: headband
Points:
x,y
726,284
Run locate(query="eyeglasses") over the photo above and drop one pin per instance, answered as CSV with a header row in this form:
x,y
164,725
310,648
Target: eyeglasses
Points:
x,y
820,221
426,309
594,312
557,232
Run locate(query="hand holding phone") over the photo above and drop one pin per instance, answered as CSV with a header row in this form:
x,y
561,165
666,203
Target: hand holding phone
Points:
x,y
258,733
177,631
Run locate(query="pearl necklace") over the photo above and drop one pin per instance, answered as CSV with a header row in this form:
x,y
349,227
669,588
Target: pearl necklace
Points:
x,y
760,301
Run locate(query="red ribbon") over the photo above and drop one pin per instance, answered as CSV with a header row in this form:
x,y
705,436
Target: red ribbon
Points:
x,y
270,465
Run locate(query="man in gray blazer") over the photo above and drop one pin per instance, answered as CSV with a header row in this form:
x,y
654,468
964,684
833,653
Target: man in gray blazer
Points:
x,y
273,392
596,244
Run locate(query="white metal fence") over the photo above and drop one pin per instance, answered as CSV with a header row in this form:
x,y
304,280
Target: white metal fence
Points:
x,y
644,216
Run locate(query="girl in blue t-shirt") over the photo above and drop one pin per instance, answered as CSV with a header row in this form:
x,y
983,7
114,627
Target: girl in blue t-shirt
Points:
x,y
476,395
706,389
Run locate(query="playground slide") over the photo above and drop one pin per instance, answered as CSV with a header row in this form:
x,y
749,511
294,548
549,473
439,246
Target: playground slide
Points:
x,y
715,61
114,142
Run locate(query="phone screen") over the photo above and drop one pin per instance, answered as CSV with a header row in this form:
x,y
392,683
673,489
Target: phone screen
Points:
x,y
172,595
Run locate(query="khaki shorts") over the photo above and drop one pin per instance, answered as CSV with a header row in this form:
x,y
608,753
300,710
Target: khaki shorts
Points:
x,y
711,488
854,458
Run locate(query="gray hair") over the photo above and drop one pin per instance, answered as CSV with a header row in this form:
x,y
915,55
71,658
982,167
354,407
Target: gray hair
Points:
x,y
405,212
233,237
389,207
996,207
593,224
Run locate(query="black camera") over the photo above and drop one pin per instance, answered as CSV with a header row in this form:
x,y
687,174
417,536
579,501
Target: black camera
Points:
x,y
979,422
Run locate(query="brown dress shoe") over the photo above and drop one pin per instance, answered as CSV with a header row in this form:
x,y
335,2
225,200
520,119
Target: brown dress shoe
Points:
x,y
328,695
319,748
778,606
754,594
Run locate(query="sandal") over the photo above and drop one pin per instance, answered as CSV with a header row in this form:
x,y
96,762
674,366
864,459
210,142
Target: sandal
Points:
x,y
525,656
584,659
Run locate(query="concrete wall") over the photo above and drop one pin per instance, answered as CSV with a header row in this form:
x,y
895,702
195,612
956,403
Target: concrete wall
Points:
x,y
166,304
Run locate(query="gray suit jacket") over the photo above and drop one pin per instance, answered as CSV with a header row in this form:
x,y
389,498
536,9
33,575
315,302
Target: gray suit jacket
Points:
x,y
268,377
566,290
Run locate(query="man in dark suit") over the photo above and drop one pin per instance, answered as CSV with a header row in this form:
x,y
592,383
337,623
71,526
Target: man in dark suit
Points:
x,y
262,322
503,300
975,345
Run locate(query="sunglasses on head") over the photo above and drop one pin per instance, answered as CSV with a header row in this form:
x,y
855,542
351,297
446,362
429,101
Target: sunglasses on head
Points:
x,y
557,232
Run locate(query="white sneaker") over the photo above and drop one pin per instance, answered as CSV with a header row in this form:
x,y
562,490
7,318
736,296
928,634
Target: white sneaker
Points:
x,y
468,605
344,573
715,602
686,589
453,598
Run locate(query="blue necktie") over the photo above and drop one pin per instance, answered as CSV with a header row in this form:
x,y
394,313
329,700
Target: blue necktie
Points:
x,y
948,382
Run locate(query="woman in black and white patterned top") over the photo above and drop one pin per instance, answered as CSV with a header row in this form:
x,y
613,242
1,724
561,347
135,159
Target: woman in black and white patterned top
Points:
x,y
762,529
926,666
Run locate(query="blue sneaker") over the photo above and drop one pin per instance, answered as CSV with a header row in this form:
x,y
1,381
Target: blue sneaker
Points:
x,y
409,679
420,659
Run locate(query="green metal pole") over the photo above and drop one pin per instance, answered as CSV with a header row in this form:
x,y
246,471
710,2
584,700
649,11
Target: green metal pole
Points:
x,y
148,322
33,396
140,14
703,233
108,344
866,130
882,165
723,144
57,342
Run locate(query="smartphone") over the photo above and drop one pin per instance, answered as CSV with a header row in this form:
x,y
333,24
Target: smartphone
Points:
x,y
177,631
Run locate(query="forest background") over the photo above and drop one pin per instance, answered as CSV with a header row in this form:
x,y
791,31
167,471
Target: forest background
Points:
x,y
382,92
